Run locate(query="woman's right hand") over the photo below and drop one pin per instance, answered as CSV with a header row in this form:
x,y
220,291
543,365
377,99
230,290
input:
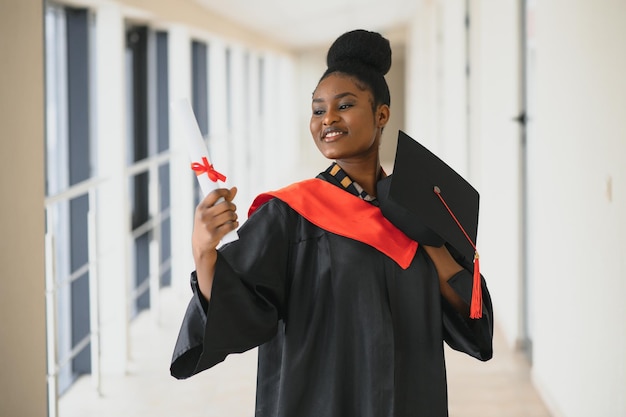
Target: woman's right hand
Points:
x,y
212,222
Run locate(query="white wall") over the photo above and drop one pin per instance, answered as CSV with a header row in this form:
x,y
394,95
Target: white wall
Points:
x,y
495,153
577,177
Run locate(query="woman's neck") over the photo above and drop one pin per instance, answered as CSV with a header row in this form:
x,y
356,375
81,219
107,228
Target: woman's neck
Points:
x,y
366,174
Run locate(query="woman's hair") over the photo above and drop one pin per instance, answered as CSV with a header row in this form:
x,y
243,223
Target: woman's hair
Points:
x,y
364,56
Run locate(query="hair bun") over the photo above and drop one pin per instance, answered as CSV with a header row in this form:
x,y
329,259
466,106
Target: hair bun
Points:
x,y
368,48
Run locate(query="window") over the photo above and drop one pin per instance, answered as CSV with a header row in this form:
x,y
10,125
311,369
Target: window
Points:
x,y
149,170
68,165
138,150
163,145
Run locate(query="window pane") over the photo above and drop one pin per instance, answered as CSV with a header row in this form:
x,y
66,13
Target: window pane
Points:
x,y
162,92
199,79
137,65
78,93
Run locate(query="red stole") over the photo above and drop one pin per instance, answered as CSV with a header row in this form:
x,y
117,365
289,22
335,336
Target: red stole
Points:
x,y
337,211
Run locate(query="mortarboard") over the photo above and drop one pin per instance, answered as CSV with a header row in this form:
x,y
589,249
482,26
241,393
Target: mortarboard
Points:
x,y
432,204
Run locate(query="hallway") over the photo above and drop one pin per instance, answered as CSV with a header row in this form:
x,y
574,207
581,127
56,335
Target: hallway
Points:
x,y
498,388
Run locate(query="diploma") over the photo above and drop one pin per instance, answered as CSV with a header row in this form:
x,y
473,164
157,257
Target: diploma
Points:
x,y
208,177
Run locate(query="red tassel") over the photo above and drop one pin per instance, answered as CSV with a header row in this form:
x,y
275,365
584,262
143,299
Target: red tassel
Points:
x,y
476,306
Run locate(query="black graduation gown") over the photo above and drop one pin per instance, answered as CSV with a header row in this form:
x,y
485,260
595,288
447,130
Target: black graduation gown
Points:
x,y
343,330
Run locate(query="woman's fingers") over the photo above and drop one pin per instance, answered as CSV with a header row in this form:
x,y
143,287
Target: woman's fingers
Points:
x,y
215,216
222,216
214,196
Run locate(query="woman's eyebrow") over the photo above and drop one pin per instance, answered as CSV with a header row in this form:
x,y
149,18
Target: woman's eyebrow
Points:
x,y
338,96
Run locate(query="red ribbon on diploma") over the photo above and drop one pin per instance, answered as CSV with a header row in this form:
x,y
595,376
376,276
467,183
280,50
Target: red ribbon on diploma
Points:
x,y
203,167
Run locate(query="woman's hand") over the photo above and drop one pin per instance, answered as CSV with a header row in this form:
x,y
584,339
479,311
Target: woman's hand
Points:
x,y
447,267
212,221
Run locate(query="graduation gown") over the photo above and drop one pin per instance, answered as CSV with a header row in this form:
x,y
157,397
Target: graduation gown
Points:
x,y
343,328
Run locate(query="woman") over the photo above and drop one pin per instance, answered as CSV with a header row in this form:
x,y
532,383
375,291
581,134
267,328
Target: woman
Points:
x,y
350,314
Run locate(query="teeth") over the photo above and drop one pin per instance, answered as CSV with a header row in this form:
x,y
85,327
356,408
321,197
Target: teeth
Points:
x,y
332,134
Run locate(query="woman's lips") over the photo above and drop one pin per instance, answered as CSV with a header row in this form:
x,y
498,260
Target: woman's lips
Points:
x,y
331,135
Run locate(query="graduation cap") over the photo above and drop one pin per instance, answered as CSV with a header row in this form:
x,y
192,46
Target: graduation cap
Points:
x,y
432,204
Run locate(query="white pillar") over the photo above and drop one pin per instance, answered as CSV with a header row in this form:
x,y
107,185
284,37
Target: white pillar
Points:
x,y
422,104
113,214
238,143
255,140
452,60
496,151
182,210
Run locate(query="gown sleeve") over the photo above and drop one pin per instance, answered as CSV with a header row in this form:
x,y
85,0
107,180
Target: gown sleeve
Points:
x,y
246,301
472,336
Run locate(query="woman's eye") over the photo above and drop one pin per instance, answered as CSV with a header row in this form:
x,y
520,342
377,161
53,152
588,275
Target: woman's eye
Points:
x,y
318,112
345,106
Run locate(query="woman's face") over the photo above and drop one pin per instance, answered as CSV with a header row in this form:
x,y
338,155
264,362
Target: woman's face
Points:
x,y
343,123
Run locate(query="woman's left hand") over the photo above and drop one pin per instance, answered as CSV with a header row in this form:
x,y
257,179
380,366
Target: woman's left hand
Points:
x,y
447,267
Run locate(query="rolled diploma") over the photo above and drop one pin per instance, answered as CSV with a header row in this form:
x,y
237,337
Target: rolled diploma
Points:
x,y
188,127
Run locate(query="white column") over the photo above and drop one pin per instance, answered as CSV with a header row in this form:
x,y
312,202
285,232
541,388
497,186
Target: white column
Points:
x,y
113,214
238,149
311,66
255,140
496,151
283,148
218,126
422,101
452,55
287,133
269,132
182,210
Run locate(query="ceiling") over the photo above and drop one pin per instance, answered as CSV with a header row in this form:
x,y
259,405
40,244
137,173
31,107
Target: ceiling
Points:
x,y
301,24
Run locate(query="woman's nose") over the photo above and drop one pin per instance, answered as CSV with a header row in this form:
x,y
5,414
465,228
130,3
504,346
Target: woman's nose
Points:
x,y
330,117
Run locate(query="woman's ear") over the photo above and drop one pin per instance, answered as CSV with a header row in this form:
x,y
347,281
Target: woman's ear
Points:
x,y
382,115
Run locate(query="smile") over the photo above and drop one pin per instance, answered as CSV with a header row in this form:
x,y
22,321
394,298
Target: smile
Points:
x,y
331,134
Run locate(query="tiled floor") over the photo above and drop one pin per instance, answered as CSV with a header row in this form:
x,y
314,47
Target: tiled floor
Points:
x,y
498,388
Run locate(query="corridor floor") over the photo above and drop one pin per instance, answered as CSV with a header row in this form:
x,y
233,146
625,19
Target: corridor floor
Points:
x,y
500,387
